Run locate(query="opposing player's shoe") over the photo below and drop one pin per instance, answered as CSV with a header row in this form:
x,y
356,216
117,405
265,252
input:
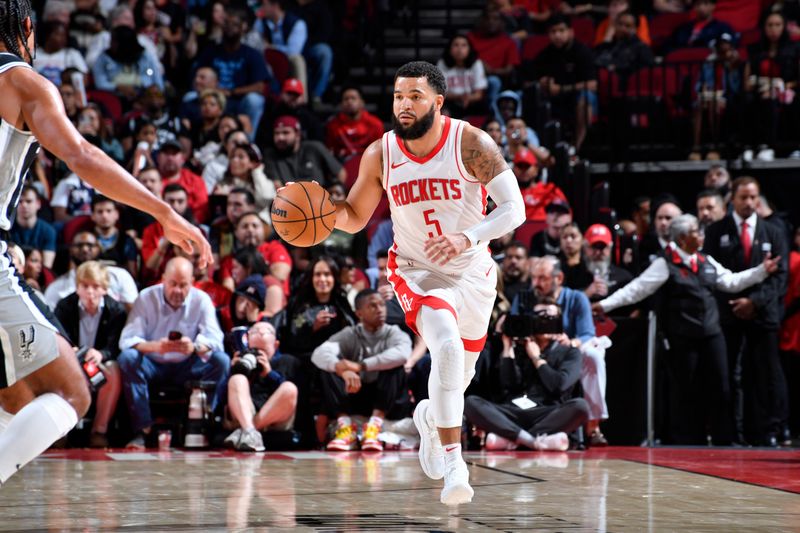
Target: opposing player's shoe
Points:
x,y
557,442
345,439
495,442
431,456
456,484
369,439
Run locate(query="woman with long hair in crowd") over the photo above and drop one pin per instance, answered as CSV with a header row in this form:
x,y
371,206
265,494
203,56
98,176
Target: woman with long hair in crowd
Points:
x,y
466,78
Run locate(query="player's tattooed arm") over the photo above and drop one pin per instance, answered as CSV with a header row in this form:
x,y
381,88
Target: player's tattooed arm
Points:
x,y
481,155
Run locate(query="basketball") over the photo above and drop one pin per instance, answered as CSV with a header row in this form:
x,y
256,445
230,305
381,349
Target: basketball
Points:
x,y
303,213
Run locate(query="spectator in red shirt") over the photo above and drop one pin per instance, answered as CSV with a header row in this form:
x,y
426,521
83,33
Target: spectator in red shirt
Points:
x,y
496,49
170,162
156,250
353,128
251,230
537,195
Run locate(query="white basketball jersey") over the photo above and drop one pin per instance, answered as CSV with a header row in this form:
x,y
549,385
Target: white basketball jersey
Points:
x,y
432,195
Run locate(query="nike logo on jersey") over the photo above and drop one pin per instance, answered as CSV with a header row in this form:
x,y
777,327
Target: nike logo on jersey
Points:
x,y
490,268
425,190
398,165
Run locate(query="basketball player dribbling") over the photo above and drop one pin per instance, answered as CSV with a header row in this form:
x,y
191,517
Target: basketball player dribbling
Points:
x,y
40,379
436,172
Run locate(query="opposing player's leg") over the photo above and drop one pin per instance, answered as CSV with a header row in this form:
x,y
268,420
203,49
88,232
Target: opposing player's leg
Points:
x,y
60,397
439,330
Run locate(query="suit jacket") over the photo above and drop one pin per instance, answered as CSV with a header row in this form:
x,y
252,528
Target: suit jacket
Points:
x,y
724,244
112,320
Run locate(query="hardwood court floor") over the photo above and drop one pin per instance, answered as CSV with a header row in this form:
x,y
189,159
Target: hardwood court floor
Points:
x,y
617,489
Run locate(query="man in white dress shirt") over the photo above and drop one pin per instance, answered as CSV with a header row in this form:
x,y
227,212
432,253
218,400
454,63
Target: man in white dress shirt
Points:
x,y
689,317
172,336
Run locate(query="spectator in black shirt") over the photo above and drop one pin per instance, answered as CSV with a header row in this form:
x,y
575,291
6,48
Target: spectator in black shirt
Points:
x,y
700,31
548,241
625,53
115,246
566,74
295,159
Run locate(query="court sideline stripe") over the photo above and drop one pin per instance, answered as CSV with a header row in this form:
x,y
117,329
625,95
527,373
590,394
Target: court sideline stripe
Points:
x,y
678,469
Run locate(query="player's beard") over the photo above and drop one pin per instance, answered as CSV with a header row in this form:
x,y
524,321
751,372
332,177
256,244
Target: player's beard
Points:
x,y
420,127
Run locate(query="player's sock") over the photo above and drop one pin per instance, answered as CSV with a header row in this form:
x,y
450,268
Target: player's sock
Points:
x,y
452,454
5,420
32,430
439,330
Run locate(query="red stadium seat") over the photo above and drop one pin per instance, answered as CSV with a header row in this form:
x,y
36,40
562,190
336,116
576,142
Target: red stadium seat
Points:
x,y
75,226
527,230
583,28
751,36
279,64
351,167
533,45
688,55
108,101
662,26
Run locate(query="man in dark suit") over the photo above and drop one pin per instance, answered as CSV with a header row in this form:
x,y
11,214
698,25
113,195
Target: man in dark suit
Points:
x,y
750,319
95,320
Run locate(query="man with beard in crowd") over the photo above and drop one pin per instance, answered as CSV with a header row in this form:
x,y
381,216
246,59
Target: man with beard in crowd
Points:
x,y
607,277
295,159
354,128
514,269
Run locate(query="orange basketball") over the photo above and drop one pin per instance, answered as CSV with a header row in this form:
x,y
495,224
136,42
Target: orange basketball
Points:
x,y
303,213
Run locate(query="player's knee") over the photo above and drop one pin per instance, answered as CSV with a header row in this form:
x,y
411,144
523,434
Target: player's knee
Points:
x,y
450,361
79,397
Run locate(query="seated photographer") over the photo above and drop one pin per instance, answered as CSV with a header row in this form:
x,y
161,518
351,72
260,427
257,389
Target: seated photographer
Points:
x,y
689,315
547,280
172,336
94,320
536,382
362,372
261,395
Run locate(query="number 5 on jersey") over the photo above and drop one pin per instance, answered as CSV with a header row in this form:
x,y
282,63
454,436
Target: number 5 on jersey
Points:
x,y
432,222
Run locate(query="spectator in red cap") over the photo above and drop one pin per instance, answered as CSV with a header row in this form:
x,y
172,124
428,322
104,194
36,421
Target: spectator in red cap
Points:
x,y
537,195
294,159
605,277
291,102
353,128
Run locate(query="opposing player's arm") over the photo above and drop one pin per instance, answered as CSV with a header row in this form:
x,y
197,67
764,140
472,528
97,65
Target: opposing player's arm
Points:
x,y
481,155
353,213
43,112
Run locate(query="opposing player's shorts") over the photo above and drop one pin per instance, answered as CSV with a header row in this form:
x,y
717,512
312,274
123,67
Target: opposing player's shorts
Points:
x,y
469,296
27,327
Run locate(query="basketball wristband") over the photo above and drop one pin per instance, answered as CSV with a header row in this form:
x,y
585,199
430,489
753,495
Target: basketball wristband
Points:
x,y
509,213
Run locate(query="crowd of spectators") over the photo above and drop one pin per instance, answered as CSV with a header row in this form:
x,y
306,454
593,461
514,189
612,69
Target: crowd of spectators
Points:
x,y
194,110
721,71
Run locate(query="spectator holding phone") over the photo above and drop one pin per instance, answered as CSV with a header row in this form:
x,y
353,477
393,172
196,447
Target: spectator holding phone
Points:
x,y
172,336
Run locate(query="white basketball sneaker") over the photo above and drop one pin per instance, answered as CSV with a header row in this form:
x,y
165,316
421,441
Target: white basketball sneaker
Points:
x,y
557,441
431,456
456,484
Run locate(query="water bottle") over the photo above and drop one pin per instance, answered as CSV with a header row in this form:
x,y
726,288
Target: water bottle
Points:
x,y
197,404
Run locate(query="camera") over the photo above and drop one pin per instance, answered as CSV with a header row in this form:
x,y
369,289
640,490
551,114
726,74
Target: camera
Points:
x,y
247,364
533,318
93,373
